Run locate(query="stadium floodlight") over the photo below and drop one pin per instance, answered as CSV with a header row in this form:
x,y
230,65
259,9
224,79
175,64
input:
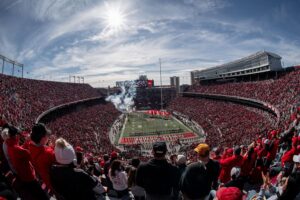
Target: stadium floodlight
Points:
x,y
161,97
3,67
5,59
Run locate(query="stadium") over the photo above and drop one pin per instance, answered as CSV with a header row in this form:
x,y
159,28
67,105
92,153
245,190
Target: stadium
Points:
x,y
231,132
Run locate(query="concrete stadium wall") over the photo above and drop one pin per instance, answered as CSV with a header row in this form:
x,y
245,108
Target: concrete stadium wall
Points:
x,y
60,110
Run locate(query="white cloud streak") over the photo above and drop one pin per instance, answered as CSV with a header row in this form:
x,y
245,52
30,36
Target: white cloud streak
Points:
x,y
183,33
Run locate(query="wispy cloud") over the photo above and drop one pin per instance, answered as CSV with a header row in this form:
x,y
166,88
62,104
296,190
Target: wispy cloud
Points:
x,y
73,37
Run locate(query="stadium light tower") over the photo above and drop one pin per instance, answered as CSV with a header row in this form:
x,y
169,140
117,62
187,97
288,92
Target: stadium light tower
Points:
x,y
161,97
3,66
14,63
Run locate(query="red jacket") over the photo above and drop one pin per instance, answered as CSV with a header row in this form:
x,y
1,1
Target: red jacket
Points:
x,y
227,164
272,153
20,160
42,159
248,164
288,156
2,122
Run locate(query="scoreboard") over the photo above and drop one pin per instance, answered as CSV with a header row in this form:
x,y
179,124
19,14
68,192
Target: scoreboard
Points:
x,y
137,83
144,83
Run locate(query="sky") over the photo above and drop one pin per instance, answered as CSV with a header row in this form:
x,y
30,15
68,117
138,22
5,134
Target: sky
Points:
x,y
115,40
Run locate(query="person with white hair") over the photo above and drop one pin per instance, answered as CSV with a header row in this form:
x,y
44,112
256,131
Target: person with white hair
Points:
x,y
5,136
236,180
70,182
296,159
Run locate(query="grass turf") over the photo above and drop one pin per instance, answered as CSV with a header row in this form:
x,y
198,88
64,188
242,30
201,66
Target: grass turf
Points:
x,y
140,124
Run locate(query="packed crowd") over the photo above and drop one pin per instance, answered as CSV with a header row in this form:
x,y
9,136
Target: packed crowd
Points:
x,y
231,123
281,92
87,127
23,100
268,168
247,156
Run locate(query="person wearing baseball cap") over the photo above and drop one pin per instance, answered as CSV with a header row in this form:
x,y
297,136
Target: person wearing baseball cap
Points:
x,y
204,172
213,167
158,177
229,193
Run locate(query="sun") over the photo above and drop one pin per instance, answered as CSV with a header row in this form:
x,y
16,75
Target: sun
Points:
x,y
114,17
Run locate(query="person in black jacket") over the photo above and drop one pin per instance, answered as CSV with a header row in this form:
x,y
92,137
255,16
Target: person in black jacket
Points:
x,y
200,177
158,177
70,182
195,183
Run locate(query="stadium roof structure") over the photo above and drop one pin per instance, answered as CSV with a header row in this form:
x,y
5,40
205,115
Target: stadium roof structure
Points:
x,y
259,62
14,63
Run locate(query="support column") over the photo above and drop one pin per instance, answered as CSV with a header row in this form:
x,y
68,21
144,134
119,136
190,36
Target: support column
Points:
x,y
13,70
3,66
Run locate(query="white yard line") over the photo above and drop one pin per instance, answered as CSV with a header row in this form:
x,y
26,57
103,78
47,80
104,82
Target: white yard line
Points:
x,y
123,128
182,124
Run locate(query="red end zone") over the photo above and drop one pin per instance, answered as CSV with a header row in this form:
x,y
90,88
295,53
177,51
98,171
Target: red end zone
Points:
x,y
151,139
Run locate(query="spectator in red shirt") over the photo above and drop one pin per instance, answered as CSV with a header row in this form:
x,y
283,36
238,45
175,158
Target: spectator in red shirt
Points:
x,y
249,162
287,158
228,163
28,186
42,156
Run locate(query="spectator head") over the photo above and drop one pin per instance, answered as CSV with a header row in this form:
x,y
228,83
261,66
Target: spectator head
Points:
x,y
203,150
39,134
273,134
229,193
79,149
114,155
173,158
250,152
237,150
235,172
181,159
296,160
229,152
217,151
135,162
64,152
79,156
202,180
267,144
12,131
116,165
106,157
159,149
4,134
244,149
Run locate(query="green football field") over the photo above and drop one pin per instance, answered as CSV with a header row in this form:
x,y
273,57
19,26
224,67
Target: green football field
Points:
x,y
141,124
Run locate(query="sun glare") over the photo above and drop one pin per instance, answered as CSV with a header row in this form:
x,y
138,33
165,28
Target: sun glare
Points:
x,y
114,18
